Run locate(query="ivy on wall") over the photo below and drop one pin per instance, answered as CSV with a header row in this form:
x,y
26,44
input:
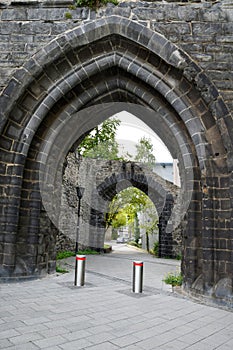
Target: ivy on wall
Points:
x,y
94,4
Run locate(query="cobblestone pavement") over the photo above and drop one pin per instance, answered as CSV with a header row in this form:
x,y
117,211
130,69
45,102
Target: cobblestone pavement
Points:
x,y
105,315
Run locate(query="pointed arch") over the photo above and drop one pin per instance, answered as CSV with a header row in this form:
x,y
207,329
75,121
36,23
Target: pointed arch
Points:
x,y
115,59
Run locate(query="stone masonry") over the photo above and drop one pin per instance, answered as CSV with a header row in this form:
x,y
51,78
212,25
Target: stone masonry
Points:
x,y
102,180
170,64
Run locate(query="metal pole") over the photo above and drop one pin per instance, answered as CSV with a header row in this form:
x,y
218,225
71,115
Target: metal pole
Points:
x,y
80,191
80,272
137,276
77,228
76,245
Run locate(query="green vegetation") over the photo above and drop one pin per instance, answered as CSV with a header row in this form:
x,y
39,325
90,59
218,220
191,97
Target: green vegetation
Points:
x,y
68,254
101,142
107,248
87,251
59,269
150,222
64,254
175,279
136,228
125,206
145,152
134,244
130,204
68,15
124,210
94,4
72,7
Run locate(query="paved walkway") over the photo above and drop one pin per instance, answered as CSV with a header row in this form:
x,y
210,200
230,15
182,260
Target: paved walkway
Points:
x,y
105,315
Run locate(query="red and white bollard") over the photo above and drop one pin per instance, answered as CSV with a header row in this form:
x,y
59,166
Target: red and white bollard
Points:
x,y
80,270
137,276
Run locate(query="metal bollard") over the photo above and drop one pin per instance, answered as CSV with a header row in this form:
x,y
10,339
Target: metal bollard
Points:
x,y
137,276
80,270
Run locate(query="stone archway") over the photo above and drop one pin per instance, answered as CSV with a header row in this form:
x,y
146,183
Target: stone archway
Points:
x,y
116,60
101,181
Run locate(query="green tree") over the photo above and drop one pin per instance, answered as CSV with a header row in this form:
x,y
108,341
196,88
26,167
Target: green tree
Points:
x,y
130,200
150,221
101,142
145,152
119,219
127,204
136,228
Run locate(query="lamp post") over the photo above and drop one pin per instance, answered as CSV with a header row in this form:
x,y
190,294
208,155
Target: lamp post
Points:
x,y
80,191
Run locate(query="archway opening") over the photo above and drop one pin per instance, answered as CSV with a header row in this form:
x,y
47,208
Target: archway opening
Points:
x,y
96,165
107,63
133,218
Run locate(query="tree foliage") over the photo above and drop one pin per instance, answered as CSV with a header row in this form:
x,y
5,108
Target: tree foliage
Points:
x,y
136,229
151,218
119,219
124,210
145,152
150,221
130,201
101,142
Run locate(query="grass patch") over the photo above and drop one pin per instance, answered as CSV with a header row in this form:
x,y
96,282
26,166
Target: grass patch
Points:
x,y
87,252
59,269
64,254
67,253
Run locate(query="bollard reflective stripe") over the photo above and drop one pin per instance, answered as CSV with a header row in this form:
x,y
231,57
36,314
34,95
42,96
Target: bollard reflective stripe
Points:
x,y
137,276
80,270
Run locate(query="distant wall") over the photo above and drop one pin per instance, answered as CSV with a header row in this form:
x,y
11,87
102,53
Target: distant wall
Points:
x,y
93,174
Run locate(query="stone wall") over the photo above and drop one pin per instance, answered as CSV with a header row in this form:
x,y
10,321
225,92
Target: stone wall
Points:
x,y
173,57
102,180
202,29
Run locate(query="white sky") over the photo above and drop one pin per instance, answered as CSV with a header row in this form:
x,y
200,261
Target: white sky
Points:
x,y
132,129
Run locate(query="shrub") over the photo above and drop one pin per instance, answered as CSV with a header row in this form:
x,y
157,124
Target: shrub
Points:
x,y
175,279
